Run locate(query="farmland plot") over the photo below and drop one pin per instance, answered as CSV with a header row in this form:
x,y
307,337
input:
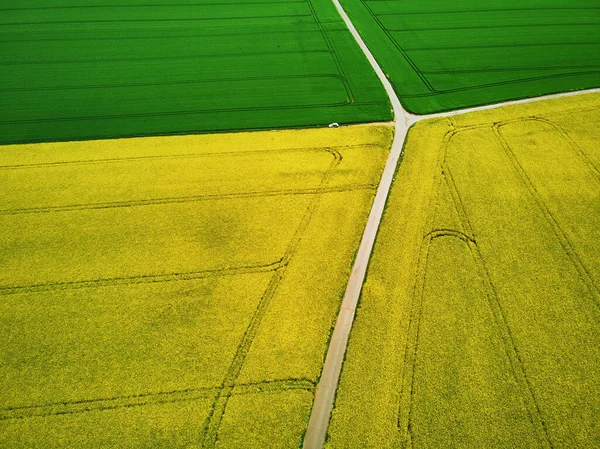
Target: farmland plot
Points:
x,y
76,71
444,55
175,291
478,325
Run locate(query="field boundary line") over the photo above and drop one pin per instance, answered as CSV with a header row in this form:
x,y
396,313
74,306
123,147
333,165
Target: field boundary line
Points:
x,y
487,107
316,432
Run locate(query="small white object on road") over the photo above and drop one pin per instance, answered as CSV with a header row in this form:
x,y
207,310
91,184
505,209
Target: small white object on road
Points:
x,y
334,125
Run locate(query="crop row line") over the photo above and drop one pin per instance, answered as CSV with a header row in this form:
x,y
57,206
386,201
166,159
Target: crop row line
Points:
x,y
479,27
593,168
511,350
407,372
164,58
186,19
443,177
156,5
410,62
189,112
228,387
593,68
189,155
213,422
502,83
454,11
447,232
187,199
183,132
170,277
325,393
503,45
562,236
428,84
122,37
568,111
140,279
139,400
330,46
174,83
493,299
463,11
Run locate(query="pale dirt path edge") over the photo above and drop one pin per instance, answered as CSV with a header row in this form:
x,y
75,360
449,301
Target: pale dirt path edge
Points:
x,y
316,432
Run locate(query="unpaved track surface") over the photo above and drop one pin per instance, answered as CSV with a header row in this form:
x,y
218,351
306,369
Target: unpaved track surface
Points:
x,y
326,389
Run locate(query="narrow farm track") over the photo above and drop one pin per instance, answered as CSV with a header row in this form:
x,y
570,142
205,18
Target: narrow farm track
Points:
x,y
327,386
122,331
145,271
316,432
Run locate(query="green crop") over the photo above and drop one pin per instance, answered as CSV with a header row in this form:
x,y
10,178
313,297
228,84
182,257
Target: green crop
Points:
x,y
74,71
478,322
443,55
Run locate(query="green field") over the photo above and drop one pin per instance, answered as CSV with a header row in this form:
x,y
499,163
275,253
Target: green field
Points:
x,y
75,71
179,291
175,292
478,321
443,55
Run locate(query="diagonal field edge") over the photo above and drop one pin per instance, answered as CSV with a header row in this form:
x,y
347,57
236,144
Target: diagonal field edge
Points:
x,y
318,424
417,118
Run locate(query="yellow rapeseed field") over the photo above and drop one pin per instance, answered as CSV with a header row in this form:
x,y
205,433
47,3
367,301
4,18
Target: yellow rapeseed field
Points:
x,y
175,291
478,322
